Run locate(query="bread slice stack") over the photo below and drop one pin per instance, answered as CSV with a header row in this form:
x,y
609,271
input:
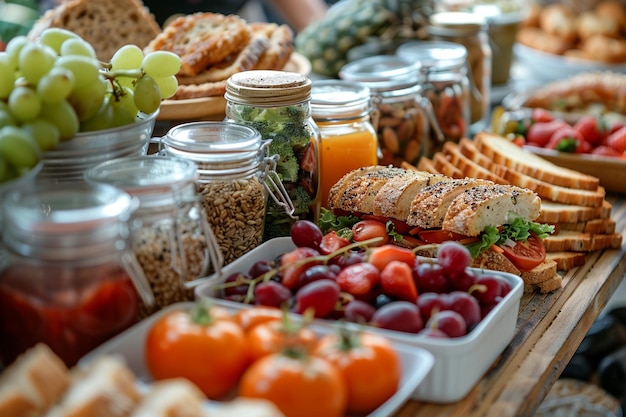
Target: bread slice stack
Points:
x,y
572,201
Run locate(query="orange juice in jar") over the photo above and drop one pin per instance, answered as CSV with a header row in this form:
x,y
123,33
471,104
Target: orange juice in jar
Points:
x,y
342,111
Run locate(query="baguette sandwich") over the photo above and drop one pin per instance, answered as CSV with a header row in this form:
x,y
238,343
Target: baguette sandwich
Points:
x,y
422,210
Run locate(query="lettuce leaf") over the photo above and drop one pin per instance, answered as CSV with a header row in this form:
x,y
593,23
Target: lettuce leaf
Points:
x,y
329,221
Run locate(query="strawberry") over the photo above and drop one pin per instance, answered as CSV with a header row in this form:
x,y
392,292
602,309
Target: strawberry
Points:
x,y
358,279
565,139
617,140
381,256
584,146
605,151
541,115
592,128
370,229
396,280
538,134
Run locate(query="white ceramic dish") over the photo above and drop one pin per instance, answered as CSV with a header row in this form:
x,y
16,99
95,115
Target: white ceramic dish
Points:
x,y
551,67
459,362
416,363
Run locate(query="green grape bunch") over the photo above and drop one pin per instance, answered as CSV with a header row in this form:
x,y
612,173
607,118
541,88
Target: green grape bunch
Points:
x,y
54,87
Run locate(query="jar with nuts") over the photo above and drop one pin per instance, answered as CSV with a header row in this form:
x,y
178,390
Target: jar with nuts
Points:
x,y
445,83
235,178
341,109
469,30
171,238
404,119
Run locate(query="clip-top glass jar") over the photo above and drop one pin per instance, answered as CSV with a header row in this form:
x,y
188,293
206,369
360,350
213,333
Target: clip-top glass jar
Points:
x,y
469,30
278,105
341,110
234,180
69,279
445,83
405,119
172,239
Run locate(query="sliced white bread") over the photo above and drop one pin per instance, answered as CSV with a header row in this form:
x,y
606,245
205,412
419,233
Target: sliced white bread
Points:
x,y
554,213
424,164
176,397
430,205
480,206
107,388
443,165
470,168
567,240
552,284
335,193
567,260
394,197
502,151
594,226
33,383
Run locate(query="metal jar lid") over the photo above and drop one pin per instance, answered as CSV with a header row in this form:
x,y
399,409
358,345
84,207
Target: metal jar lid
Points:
x,y
434,55
268,88
455,24
382,72
338,99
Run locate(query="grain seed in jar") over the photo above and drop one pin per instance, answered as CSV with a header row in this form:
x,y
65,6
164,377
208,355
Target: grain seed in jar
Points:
x,y
233,178
171,239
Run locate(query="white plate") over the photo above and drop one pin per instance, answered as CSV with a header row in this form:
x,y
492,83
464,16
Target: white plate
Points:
x,y
416,363
459,362
552,67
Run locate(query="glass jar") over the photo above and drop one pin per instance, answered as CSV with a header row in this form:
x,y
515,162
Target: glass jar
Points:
x,y
341,110
469,30
234,180
445,84
278,105
69,278
172,240
405,123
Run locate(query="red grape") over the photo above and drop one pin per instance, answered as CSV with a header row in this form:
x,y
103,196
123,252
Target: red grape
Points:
x,y
462,280
358,311
294,265
430,278
402,316
305,233
272,294
429,303
486,289
464,304
316,272
453,257
236,285
260,267
321,296
448,321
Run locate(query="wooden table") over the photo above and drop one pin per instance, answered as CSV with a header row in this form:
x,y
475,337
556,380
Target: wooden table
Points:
x,y
549,329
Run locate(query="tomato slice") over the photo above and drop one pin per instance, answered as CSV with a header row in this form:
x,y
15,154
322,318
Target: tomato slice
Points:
x,y
526,255
439,236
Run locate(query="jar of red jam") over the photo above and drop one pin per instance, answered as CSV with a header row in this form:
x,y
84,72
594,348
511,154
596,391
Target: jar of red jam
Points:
x,y
68,277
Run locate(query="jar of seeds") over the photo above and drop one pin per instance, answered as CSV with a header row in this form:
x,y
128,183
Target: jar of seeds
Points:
x,y
235,178
171,238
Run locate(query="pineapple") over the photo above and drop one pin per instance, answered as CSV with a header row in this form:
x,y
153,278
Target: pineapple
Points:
x,y
350,23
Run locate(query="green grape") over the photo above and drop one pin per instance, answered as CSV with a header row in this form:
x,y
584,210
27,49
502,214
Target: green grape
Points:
x,y
86,70
7,76
167,85
6,119
63,116
56,85
54,38
127,57
35,61
121,115
24,103
87,100
77,46
126,99
4,170
44,132
147,96
103,119
13,49
161,64
18,148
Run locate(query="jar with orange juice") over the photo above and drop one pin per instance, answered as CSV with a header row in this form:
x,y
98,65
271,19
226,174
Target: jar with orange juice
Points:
x,y
342,112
